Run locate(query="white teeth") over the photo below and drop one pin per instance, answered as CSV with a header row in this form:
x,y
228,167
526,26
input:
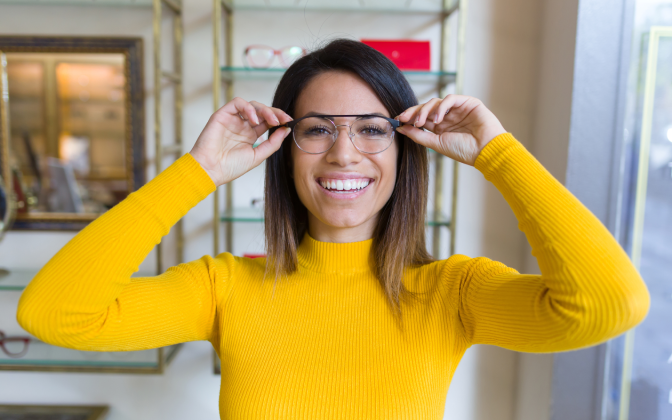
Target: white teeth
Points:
x,y
345,184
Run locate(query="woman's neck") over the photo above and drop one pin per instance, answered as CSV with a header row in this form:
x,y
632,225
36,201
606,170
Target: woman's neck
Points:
x,y
326,233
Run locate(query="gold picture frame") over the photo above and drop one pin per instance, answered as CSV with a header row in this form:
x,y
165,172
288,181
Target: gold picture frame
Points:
x,y
134,114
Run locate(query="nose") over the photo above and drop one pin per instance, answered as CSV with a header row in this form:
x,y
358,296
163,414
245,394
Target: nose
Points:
x,y
343,152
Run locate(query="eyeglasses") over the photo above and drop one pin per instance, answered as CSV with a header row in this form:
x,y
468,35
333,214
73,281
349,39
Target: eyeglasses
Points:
x,y
261,56
14,346
369,133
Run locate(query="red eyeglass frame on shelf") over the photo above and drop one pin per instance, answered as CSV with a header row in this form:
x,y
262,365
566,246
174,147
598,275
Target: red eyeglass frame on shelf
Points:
x,y
4,339
270,61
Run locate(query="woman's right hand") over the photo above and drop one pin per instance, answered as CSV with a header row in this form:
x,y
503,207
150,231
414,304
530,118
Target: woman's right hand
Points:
x,y
224,148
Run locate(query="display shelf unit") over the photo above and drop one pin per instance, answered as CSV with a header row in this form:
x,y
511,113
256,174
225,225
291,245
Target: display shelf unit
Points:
x,y
256,215
233,74
47,358
41,356
226,74
44,357
60,412
431,7
117,3
162,79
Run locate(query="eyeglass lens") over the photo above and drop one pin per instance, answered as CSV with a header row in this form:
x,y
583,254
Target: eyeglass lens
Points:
x,y
317,134
288,55
262,57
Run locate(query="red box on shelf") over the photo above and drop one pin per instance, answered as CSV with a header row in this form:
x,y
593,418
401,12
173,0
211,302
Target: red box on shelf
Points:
x,y
406,54
249,255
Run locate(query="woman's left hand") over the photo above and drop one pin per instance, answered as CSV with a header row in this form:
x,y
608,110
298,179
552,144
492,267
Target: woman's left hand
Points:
x,y
458,126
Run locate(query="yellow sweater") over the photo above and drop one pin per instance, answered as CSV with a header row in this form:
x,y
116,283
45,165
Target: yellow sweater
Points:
x,y
324,344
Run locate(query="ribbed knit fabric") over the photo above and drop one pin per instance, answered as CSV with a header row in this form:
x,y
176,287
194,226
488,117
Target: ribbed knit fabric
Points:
x,y
324,344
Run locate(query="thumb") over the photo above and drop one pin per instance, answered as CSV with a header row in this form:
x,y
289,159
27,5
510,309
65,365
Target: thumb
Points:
x,y
270,146
418,135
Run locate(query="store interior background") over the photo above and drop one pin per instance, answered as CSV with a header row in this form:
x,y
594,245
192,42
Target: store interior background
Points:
x,y
519,60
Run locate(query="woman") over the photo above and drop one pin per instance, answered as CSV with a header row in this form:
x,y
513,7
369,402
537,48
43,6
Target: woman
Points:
x,y
345,206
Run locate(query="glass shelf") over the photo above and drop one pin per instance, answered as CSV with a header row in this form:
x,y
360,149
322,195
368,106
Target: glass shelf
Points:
x,y
255,215
358,6
62,412
121,3
442,220
47,358
243,214
233,74
18,279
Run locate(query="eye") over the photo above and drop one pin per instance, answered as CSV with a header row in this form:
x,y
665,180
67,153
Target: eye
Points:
x,y
372,130
318,130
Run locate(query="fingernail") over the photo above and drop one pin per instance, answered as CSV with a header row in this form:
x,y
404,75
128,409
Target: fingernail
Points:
x,y
277,121
436,118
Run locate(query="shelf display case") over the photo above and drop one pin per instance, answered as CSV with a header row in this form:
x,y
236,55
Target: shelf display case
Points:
x,y
233,74
256,215
54,412
451,39
23,352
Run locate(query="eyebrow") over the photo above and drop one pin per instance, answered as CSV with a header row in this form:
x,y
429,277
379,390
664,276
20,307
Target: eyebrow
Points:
x,y
318,114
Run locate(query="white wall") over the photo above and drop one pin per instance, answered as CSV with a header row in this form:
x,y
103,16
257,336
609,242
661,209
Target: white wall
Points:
x,y
508,66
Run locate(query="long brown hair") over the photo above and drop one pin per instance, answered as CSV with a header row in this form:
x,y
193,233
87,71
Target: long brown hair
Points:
x,y
399,236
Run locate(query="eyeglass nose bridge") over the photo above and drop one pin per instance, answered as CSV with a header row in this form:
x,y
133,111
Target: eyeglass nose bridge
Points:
x,y
350,133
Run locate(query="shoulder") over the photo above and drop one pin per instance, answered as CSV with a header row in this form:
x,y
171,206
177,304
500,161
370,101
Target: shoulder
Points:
x,y
229,271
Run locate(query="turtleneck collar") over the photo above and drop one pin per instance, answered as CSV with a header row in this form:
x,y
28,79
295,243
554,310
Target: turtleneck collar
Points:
x,y
331,257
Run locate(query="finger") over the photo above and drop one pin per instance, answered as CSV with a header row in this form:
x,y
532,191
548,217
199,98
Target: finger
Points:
x,y
448,103
270,146
266,113
282,115
409,114
444,107
271,117
418,135
424,111
242,108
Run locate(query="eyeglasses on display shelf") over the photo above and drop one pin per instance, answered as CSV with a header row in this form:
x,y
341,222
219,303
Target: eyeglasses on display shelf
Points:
x,y
20,351
14,347
261,56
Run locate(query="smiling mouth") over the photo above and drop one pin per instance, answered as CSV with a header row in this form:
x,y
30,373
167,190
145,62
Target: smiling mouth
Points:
x,y
344,186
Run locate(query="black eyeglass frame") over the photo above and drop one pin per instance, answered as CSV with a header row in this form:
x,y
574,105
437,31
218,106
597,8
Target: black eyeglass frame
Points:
x,y
395,124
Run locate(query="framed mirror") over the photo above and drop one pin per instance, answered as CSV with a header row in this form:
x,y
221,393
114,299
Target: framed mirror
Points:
x,y
76,123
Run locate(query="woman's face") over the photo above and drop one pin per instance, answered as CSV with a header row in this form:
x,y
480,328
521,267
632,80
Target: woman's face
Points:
x,y
342,216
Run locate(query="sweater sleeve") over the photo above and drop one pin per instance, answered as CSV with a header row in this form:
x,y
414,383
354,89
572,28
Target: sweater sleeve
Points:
x,y
588,292
85,298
